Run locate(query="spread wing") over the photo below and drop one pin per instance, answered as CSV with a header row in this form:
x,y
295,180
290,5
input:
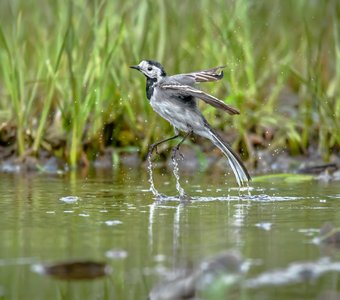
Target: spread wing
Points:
x,y
187,90
213,74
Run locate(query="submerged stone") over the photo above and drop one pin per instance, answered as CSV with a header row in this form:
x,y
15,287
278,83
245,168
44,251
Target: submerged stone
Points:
x,y
329,234
188,283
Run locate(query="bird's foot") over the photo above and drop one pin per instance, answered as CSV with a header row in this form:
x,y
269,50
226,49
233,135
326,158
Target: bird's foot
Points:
x,y
175,151
185,198
152,148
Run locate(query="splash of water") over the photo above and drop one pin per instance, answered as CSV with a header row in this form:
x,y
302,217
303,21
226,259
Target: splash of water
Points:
x,y
179,188
152,185
244,192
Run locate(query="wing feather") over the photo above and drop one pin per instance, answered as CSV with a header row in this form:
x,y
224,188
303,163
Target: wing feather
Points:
x,y
187,90
212,74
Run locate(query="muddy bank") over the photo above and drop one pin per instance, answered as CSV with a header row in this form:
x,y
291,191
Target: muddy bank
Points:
x,y
194,160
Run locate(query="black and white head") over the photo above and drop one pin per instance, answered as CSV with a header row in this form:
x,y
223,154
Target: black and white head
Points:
x,y
151,69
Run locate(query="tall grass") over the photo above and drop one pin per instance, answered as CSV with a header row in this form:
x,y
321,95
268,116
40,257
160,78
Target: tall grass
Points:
x,y
66,82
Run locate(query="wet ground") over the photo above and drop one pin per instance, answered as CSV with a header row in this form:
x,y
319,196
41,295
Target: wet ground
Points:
x,y
111,219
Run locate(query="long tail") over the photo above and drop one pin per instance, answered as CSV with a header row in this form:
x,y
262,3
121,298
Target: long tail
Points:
x,y
240,171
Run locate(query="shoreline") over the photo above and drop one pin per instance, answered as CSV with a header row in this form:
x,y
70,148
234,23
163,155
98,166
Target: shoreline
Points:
x,y
193,162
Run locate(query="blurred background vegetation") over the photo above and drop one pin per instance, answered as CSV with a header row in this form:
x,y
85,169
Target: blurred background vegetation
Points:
x,y
66,89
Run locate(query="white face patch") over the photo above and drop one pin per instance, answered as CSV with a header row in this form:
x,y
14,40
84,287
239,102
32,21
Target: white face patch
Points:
x,y
150,70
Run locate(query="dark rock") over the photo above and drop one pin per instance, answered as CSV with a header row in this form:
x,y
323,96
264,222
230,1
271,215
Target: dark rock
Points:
x,y
130,159
318,169
78,270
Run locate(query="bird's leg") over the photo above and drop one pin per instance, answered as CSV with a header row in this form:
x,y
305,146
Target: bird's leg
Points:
x,y
148,158
175,150
182,194
155,145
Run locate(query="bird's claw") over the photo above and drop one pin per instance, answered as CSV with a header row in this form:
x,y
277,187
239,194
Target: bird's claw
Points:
x,y
152,149
174,153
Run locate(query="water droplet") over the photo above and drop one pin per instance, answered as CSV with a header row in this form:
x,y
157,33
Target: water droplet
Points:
x,y
69,199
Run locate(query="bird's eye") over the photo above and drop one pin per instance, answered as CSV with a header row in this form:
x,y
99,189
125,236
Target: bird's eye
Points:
x,y
149,68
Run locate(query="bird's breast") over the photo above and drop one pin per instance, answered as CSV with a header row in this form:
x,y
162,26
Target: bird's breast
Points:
x,y
176,111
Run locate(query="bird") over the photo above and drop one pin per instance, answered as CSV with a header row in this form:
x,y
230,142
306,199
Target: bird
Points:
x,y
175,99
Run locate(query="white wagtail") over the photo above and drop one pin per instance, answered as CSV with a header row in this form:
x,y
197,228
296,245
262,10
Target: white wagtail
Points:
x,y
174,98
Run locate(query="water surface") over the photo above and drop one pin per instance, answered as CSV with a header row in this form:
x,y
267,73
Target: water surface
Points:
x,y
115,219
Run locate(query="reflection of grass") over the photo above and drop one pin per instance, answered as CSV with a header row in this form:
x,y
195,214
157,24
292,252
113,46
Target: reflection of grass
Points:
x,y
68,64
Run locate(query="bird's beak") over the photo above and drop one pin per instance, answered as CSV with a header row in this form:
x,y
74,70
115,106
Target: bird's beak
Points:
x,y
135,67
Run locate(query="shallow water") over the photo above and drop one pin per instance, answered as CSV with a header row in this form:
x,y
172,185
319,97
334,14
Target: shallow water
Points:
x,y
114,218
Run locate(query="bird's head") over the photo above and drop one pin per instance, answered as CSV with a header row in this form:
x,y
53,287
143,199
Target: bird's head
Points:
x,y
151,69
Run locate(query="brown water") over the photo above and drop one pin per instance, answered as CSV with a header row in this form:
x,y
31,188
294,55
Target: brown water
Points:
x,y
272,226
